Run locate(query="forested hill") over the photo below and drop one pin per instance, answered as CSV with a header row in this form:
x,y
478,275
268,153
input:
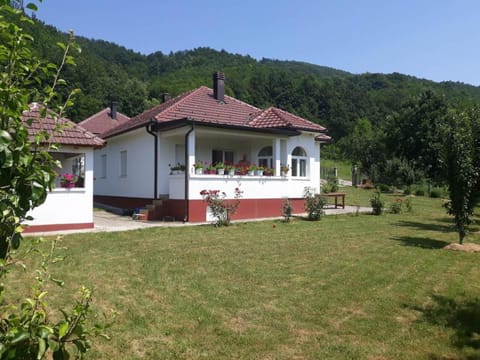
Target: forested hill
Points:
x,y
333,98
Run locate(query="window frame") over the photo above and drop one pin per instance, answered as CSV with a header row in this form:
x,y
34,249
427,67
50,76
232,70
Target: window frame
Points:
x,y
123,163
267,159
299,163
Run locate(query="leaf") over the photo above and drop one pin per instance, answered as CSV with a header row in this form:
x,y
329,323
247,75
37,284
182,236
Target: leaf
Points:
x,y
15,241
42,347
32,6
58,282
20,337
62,329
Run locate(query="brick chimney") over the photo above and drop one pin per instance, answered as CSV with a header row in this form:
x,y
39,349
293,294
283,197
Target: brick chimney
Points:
x,y
219,86
165,97
113,110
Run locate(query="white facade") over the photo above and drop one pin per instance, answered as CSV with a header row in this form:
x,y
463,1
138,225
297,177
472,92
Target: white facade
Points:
x,y
72,205
138,145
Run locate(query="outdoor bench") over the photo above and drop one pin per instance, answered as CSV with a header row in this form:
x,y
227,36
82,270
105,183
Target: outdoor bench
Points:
x,y
336,196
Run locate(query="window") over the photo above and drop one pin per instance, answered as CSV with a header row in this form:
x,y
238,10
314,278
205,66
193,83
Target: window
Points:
x,y
222,156
103,166
299,162
123,163
265,157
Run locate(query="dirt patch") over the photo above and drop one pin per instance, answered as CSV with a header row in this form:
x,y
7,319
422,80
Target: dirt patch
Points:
x,y
468,247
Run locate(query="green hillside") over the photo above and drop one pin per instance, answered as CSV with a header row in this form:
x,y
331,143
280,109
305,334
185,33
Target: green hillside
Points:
x,y
331,97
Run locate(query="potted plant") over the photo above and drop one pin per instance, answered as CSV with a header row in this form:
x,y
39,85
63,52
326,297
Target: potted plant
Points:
x,y
268,171
240,169
230,169
211,169
251,169
177,169
259,170
67,180
284,169
199,167
220,166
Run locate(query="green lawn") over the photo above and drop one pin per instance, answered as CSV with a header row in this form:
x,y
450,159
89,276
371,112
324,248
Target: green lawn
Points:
x,y
346,287
344,168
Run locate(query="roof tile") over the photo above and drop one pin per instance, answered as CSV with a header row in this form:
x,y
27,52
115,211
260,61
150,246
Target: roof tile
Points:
x,y
201,106
70,133
102,122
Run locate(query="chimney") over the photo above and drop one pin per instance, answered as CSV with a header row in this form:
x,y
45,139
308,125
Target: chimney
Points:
x,y
219,86
113,110
165,97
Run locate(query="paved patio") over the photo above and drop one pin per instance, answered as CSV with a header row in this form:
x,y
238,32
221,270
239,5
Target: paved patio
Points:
x,y
109,222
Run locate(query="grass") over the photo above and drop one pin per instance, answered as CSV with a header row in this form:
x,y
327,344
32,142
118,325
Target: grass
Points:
x,y
346,287
344,168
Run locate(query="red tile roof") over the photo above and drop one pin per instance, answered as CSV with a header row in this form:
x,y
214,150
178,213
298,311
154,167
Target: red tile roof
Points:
x,y
71,133
275,118
323,138
102,121
199,105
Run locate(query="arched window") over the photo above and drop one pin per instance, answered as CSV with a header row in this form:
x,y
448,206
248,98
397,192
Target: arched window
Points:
x,y
299,162
265,157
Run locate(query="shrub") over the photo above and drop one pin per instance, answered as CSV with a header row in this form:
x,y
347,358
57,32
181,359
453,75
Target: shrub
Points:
x,y
436,192
420,192
377,203
314,204
408,204
221,208
384,188
331,185
286,210
397,206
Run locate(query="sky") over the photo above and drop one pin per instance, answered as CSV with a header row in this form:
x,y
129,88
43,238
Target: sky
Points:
x,y
432,39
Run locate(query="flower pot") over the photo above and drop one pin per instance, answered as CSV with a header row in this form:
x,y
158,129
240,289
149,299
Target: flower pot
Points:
x,y
220,171
251,172
198,171
231,172
284,173
259,172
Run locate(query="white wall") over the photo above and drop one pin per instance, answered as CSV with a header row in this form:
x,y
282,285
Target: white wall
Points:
x,y
140,152
140,155
264,187
68,206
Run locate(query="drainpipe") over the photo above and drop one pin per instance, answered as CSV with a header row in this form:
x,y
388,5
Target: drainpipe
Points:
x,y
187,171
149,129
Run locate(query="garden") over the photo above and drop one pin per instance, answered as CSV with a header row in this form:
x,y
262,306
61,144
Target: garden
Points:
x,y
349,286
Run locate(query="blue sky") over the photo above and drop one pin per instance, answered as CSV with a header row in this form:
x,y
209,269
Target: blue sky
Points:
x,y
432,39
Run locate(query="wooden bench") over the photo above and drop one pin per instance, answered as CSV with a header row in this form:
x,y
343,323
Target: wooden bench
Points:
x,y
336,196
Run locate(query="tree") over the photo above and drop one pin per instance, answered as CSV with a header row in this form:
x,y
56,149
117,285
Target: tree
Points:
x,y
414,133
26,168
26,174
461,160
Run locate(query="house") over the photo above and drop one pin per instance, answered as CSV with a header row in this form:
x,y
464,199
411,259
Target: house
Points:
x,y
104,120
70,204
204,125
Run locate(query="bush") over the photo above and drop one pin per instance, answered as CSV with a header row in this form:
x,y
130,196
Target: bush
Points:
x,y
221,208
397,206
331,185
286,210
314,204
420,192
436,192
377,203
384,188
